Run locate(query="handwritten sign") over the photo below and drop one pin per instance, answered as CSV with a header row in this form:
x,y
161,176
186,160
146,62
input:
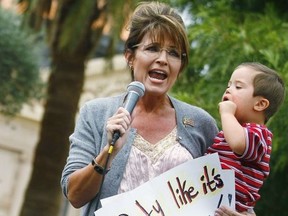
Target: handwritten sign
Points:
x,y
196,187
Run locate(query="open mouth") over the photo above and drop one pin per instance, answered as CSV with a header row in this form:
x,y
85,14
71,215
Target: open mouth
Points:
x,y
157,75
225,98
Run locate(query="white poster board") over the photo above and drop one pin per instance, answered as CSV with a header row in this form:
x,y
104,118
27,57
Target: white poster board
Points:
x,y
196,187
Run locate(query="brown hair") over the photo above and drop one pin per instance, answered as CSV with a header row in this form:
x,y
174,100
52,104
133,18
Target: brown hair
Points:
x,y
269,85
159,20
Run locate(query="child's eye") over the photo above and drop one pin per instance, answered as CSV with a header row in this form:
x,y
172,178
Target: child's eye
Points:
x,y
238,87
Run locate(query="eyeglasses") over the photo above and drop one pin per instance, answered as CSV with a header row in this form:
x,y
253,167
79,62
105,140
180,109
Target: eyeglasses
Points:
x,y
154,50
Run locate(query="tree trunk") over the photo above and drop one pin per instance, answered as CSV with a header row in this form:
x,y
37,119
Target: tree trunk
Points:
x,y
72,34
64,90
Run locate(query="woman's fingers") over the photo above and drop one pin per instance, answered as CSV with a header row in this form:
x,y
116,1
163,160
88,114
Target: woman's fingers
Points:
x,y
225,211
120,121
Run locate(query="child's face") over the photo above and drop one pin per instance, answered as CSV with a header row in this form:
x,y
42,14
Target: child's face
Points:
x,y
240,90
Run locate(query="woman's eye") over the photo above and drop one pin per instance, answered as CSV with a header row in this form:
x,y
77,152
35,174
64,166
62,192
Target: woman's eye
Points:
x,y
152,48
174,53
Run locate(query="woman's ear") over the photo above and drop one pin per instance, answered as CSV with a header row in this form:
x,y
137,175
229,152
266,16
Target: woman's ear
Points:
x,y
129,57
261,104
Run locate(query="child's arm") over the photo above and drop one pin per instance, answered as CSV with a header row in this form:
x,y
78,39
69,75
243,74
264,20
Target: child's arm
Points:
x,y
233,131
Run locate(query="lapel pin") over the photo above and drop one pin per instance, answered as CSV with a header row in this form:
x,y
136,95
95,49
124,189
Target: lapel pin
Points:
x,y
188,121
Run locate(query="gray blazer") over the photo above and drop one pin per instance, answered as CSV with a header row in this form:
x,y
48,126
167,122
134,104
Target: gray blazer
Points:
x,y
196,130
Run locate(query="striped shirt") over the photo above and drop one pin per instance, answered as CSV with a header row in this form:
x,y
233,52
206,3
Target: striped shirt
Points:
x,y
251,168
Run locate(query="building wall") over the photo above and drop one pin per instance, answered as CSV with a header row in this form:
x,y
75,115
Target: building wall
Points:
x,y
19,135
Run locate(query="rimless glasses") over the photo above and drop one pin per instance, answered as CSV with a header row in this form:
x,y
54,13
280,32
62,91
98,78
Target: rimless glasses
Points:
x,y
154,50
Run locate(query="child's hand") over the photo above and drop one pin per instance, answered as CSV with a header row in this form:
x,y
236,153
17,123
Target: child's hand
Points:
x,y
227,107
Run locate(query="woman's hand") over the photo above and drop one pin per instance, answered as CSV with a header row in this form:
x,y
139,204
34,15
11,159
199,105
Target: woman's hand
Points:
x,y
120,121
225,211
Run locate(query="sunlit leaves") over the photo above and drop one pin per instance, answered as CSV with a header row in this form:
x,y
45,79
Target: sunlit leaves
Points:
x,y
19,72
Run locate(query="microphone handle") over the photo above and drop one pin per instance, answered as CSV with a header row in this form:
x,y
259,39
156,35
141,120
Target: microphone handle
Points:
x,y
116,136
131,101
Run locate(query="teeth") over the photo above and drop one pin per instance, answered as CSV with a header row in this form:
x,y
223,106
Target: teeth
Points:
x,y
159,72
158,75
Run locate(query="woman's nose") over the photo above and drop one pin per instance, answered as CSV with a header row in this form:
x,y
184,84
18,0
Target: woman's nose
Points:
x,y
163,57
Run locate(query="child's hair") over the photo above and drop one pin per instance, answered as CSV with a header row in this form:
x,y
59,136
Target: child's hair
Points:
x,y
269,85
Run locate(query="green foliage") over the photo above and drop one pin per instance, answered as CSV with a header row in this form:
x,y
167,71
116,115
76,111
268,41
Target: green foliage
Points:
x,y
221,39
224,34
19,73
77,19
274,195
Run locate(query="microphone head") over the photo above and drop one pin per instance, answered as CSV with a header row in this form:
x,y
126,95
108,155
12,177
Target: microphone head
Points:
x,y
137,87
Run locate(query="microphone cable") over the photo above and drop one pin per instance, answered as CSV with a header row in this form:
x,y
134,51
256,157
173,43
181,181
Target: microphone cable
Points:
x,y
135,90
111,148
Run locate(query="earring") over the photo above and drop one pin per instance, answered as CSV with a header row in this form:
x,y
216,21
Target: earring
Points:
x,y
131,68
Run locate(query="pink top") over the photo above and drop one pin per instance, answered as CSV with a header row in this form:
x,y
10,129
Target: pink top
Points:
x,y
147,160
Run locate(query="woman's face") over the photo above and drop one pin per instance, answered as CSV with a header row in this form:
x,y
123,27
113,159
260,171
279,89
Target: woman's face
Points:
x,y
156,66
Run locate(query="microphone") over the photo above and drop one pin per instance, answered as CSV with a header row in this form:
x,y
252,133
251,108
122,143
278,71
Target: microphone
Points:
x,y
135,90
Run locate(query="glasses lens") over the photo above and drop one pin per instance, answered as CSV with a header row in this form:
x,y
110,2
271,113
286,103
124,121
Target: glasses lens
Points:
x,y
154,51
